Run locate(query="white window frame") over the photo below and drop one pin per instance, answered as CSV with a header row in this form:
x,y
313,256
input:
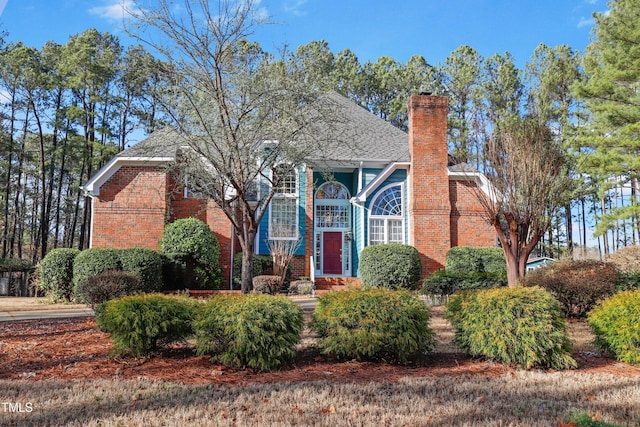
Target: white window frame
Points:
x,y
287,196
387,218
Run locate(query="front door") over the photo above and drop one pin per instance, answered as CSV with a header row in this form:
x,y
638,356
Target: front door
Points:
x,y
332,252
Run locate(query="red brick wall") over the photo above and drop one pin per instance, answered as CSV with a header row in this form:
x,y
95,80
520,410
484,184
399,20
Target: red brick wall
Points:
x,y
468,224
131,208
429,207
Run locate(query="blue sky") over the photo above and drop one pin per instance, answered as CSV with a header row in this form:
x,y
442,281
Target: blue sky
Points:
x,y
370,28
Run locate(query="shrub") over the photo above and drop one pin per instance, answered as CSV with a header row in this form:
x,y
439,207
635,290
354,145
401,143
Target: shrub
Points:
x,y
626,259
616,325
301,287
141,324
444,282
91,262
521,325
108,285
56,273
577,285
393,266
192,242
267,284
254,331
261,265
468,259
372,324
628,281
146,265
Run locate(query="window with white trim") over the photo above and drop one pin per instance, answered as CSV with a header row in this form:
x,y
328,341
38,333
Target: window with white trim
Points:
x,y
386,219
283,212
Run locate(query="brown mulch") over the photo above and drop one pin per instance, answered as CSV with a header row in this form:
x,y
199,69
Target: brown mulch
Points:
x,y
69,349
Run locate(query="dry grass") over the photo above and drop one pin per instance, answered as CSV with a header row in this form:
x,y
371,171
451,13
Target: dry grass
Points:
x,y
32,303
516,399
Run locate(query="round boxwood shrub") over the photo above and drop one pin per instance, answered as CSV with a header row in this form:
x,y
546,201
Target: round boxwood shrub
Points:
x,y
146,264
520,325
469,259
373,324
616,324
253,331
108,285
444,282
393,266
91,262
577,285
267,284
56,273
144,323
192,242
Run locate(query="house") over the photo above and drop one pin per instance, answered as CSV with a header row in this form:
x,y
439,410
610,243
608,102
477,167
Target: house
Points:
x,y
390,186
535,263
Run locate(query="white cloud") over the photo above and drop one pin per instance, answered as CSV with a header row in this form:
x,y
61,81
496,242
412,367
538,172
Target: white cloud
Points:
x,y
115,9
585,22
294,7
3,3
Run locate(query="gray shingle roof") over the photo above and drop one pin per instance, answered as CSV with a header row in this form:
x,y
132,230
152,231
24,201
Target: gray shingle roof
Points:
x,y
368,138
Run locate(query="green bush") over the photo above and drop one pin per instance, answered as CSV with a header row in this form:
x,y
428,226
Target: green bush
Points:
x,y
392,266
191,242
266,284
141,324
108,285
373,324
254,331
520,325
577,285
616,325
56,273
468,259
91,262
146,265
444,282
628,281
261,265
301,287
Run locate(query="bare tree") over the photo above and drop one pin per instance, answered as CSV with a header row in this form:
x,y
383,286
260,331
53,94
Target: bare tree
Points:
x,y
528,184
240,111
282,250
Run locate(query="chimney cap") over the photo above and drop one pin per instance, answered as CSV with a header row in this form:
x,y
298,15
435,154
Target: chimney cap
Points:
x,y
425,90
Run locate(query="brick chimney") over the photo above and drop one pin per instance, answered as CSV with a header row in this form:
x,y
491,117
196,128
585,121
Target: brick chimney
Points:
x,y
429,206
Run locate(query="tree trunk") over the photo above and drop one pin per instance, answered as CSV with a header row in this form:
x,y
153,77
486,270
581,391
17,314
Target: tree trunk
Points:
x,y
247,270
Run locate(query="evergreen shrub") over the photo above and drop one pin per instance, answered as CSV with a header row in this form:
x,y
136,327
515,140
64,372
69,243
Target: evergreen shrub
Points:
x,y
301,287
143,323
253,331
192,243
146,264
577,285
108,285
628,281
373,323
444,282
267,284
392,266
468,259
616,324
56,273
512,325
261,265
91,262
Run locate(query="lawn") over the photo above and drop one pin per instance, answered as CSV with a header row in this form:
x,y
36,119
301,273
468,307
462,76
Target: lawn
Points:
x,y
58,373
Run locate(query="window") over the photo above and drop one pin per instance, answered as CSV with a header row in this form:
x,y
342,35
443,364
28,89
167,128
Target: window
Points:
x,y
332,206
283,216
386,221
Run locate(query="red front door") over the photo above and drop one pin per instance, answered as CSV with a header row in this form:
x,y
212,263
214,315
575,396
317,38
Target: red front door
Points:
x,y
332,252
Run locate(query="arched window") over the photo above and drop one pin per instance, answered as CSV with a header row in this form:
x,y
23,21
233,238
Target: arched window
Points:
x,y
332,206
386,220
283,214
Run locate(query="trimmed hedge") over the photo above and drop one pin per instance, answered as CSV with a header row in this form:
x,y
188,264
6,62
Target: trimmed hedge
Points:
x,y
521,325
141,324
392,265
254,331
446,283
616,324
468,259
91,262
301,287
266,284
191,242
577,285
373,324
56,273
262,265
108,285
146,265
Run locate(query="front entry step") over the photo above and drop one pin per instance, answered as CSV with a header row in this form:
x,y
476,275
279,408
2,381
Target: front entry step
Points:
x,y
325,284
